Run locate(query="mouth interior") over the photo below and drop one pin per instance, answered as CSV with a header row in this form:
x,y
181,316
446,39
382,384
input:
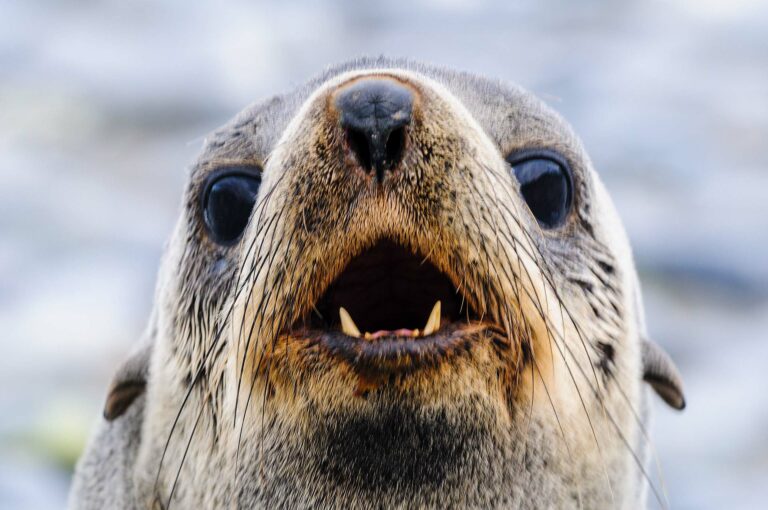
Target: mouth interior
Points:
x,y
387,289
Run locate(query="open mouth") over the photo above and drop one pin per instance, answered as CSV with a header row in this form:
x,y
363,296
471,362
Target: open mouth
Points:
x,y
391,311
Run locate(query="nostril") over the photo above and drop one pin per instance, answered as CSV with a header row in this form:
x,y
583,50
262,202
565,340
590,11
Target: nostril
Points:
x,y
358,142
395,145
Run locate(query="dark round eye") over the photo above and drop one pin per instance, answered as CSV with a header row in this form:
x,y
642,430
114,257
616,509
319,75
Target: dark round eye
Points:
x,y
546,185
227,204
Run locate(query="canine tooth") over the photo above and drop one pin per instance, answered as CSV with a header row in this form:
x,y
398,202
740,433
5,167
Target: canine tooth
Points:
x,y
347,324
415,333
433,323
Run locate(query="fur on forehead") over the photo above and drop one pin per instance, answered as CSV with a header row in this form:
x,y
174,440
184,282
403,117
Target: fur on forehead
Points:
x,y
512,117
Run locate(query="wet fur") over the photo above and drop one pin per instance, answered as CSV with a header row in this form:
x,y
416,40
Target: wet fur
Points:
x,y
545,411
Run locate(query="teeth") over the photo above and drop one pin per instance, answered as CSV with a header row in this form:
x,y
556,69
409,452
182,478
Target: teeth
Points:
x,y
349,327
347,324
433,323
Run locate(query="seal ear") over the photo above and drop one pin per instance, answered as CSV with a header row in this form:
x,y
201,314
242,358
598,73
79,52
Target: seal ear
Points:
x,y
129,382
661,373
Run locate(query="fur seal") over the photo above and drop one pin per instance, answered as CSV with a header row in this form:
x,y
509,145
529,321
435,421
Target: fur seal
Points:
x,y
396,286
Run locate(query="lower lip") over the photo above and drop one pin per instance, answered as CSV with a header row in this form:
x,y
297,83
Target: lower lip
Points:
x,y
398,355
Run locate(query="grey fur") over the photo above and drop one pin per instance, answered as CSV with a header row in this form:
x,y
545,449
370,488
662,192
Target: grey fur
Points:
x,y
104,474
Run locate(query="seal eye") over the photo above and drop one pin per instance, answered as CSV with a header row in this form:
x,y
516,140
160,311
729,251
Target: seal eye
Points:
x,y
546,185
227,204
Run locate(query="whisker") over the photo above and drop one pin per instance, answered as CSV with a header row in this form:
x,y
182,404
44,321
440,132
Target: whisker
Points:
x,y
183,458
199,372
536,299
559,425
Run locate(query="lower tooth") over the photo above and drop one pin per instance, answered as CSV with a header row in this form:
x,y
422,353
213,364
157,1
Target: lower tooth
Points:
x,y
433,322
347,324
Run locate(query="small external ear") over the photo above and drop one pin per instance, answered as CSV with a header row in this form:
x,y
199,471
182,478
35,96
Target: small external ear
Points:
x,y
661,373
129,382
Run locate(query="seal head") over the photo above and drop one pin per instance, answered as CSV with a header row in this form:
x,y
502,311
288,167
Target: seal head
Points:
x,y
398,285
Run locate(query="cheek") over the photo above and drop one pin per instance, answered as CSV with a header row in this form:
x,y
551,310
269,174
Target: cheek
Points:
x,y
204,280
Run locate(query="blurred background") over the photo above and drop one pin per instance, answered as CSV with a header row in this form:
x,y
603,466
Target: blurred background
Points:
x,y
103,104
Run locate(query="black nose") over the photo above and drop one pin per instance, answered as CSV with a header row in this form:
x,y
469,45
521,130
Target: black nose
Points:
x,y
374,113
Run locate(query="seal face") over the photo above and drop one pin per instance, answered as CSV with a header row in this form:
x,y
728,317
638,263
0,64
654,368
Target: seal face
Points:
x,y
395,286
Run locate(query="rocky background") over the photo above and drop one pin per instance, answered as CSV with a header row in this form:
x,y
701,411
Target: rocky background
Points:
x,y
104,103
